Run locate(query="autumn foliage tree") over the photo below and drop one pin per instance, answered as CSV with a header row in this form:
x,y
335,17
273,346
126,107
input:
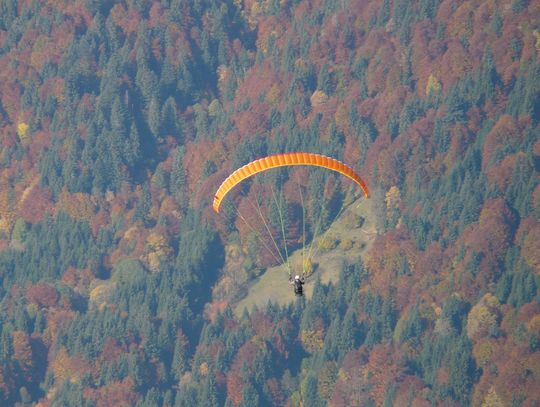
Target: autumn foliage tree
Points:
x,y
118,283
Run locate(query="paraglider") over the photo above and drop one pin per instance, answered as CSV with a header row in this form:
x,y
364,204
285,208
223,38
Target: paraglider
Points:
x,y
284,160
298,283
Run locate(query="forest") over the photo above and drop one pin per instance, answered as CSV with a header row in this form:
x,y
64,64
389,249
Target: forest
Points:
x,y
120,119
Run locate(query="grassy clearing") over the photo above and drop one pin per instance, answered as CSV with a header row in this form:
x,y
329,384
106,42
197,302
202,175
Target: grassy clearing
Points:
x,y
354,242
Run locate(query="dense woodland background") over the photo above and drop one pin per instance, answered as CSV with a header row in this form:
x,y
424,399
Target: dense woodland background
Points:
x,y
118,120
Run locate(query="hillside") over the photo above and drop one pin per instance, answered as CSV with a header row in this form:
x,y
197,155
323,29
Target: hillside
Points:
x,y
119,284
351,243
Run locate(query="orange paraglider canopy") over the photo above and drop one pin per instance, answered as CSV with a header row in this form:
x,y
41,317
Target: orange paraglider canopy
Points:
x,y
283,160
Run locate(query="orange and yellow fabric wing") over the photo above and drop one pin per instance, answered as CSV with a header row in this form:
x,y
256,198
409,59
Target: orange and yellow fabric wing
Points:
x,y
283,160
